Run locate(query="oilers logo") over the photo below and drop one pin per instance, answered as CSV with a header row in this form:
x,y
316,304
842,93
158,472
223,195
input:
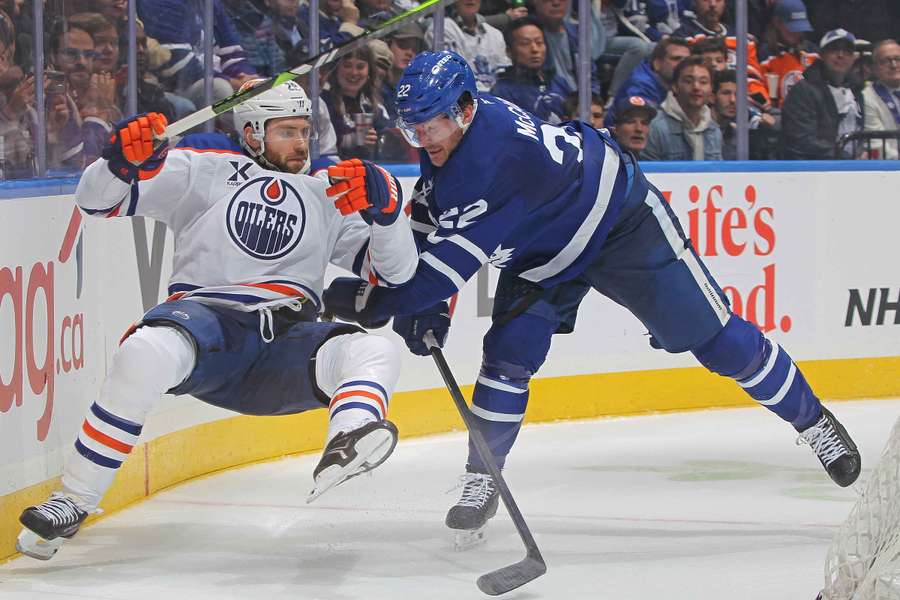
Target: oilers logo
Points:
x,y
266,217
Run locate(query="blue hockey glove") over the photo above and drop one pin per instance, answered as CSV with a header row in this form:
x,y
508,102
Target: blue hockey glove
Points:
x,y
346,299
361,185
412,328
130,150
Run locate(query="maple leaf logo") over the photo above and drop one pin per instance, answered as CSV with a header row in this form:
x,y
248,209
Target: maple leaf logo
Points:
x,y
501,256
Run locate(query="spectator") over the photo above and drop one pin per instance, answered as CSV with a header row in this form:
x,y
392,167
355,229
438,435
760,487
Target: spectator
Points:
x,y
790,53
684,129
596,114
353,97
99,103
16,94
468,34
528,83
404,44
615,35
256,34
713,52
338,22
106,40
151,97
90,97
632,127
653,77
706,19
178,27
664,17
725,111
500,13
881,98
825,104
561,37
375,12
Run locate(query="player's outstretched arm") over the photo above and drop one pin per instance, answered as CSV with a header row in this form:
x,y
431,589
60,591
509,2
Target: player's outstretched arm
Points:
x,y
130,167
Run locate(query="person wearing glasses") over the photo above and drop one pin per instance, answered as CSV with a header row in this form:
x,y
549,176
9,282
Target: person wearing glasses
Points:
x,y
240,330
825,105
881,98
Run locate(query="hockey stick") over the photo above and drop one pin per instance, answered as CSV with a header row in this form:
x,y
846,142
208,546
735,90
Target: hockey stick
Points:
x,y
532,566
319,60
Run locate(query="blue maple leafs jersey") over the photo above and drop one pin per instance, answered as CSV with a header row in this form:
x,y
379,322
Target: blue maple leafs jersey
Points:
x,y
535,198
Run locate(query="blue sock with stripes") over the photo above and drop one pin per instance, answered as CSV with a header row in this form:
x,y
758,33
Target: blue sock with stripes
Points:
x,y
498,405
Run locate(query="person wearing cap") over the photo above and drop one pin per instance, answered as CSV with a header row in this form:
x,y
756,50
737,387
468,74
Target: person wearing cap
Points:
x,y
684,129
528,83
790,52
469,35
633,117
881,98
404,43
825,104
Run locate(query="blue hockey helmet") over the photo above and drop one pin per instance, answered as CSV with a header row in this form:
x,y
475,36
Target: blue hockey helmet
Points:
x,y
431,86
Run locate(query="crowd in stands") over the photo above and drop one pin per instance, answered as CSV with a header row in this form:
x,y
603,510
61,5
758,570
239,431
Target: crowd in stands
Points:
x,y
662,71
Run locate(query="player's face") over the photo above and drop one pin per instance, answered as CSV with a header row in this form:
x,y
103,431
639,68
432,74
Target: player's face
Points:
x,y
632,131
287,143
528,47
440,135
693,88
887,65
726,100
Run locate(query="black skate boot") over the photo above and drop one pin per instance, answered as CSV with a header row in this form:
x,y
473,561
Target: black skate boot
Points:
x,y
48,524
470,515
352,453
834,448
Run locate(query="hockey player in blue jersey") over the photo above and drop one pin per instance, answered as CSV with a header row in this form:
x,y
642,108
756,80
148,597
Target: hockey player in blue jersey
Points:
x,y
561,210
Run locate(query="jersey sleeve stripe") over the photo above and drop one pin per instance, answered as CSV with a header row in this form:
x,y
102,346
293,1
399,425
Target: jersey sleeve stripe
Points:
x,y
443,268
579,241
469,247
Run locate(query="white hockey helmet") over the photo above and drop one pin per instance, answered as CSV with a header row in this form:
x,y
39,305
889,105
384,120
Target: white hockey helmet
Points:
x,y
285,100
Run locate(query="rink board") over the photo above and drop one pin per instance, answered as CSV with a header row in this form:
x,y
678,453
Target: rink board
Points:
x,y
794,251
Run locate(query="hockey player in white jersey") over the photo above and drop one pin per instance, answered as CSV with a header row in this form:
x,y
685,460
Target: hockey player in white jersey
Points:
x,y
240,330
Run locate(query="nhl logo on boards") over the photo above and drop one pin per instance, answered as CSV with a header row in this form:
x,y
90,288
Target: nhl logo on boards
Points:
x,y
265,218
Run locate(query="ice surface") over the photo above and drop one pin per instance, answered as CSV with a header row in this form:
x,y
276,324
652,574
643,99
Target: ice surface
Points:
x,y
706,505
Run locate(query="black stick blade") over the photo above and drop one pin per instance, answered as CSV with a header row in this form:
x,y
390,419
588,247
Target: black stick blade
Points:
x,y
509,578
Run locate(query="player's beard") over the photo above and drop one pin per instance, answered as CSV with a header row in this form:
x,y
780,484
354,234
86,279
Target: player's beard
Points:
x,y
290,163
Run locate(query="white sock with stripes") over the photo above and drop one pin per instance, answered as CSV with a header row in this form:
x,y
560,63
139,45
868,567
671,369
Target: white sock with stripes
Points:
x,y
359,372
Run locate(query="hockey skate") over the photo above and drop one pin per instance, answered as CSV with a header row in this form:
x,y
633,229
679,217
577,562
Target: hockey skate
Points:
x,y
470,515
834,448
351,453
49,524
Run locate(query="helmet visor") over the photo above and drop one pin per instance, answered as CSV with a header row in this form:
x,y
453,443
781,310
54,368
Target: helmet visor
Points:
x,y
432,131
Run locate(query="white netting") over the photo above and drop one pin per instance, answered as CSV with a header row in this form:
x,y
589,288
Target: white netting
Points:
x,y
863,562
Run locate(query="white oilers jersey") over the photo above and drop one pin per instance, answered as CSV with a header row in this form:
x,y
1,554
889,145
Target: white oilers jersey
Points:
x,y
249,237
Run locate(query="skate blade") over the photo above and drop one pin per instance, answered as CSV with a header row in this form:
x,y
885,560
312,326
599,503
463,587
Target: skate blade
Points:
x,y
371,451
31,544
466,539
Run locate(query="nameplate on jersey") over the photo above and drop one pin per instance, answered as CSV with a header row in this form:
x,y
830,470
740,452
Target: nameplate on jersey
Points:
x,y
265,218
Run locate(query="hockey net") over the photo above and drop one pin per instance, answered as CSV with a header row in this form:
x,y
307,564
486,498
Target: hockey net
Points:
x,y
863,562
